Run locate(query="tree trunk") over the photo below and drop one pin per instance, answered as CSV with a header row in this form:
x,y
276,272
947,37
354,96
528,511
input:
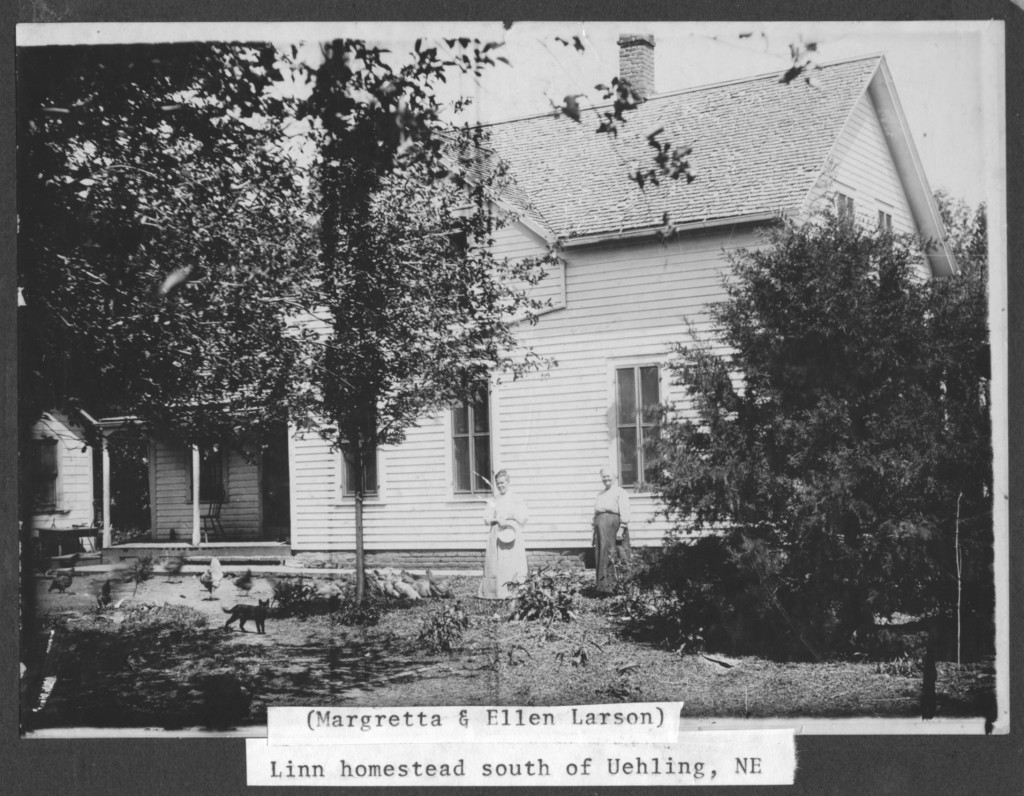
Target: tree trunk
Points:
x,y
358,461
959,581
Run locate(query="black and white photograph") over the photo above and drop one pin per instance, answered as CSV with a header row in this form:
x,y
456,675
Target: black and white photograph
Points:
x,y
512,364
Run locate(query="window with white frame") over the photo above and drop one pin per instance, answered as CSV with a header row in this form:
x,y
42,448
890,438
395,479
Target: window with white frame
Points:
x,y
348,473
471,444
884,221
637,398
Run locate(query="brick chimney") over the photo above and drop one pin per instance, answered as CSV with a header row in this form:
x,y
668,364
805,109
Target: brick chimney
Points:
x,y
636,61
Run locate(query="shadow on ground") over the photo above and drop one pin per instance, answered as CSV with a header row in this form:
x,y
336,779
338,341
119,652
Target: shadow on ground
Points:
x,y
203,677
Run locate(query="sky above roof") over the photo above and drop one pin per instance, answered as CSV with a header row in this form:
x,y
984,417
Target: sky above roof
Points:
x,y
948,74
938,69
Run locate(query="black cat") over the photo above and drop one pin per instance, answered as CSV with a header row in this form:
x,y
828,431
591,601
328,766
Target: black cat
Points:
x,y
243,613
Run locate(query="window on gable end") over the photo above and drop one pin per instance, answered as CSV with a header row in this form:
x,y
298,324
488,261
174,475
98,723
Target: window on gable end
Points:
x,y
884,221
637,400
471,444
845,211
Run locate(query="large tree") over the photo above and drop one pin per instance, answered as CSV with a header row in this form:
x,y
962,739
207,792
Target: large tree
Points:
x,y
173,250
167,241
419,312
157,209
842,445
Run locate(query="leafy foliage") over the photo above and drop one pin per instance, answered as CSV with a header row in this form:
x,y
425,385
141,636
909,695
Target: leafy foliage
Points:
x,y
546,595
129,485
303,598
967,230
176,252
854,445
160,221
359,613
700,594
419,311
894,642
578,656
297,597
623,97
162,619
142,570
669,161
803,56
903,666
124,536
578,653
442,630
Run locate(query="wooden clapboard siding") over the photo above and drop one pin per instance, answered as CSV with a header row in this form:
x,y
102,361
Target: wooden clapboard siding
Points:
x,y
516,243
865,163
74,488
863,167
626,303
241,515
172,499
415,508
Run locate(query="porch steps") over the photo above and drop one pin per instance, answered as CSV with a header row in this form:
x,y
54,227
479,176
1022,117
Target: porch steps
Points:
x,y
231,553
238,561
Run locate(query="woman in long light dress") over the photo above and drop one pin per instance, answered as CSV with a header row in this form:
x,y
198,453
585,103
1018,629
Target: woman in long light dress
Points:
x,y
505,558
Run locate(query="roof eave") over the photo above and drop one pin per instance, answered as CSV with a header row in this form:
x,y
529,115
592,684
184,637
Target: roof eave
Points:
x,y
524,217
919,194
650,232
107,423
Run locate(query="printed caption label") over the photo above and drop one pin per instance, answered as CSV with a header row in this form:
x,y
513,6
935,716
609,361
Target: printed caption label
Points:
x,y
765,757
641,722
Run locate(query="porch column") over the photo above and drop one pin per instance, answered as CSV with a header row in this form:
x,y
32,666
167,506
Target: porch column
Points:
x,y
196,530
105,459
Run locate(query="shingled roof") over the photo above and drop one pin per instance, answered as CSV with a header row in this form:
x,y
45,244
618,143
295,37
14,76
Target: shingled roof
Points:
x,y
759,145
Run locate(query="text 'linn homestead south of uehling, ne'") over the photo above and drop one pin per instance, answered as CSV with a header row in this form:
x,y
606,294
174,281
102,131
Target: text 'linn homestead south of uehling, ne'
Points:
x,y
473,746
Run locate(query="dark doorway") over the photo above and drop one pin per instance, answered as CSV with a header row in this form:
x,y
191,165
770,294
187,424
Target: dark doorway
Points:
x,y
276,490
130,516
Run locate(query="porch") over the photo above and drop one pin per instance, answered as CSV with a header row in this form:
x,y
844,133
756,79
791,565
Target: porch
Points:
x,y
213,496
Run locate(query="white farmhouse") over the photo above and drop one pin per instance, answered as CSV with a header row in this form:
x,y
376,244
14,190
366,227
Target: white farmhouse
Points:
x,y
624,293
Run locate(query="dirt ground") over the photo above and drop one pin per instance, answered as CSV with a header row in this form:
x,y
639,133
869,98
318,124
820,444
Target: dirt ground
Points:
x,y
115,668
183,589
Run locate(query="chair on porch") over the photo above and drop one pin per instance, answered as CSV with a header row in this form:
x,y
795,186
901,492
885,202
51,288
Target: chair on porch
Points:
x,y
211,518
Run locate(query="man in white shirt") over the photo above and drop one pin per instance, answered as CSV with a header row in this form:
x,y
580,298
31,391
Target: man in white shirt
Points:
x,y
611,513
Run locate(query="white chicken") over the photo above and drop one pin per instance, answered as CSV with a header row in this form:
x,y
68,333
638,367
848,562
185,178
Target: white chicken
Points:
x,y
212,577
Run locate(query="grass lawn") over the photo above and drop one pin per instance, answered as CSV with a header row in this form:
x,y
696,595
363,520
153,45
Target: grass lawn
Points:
x,y
164,659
